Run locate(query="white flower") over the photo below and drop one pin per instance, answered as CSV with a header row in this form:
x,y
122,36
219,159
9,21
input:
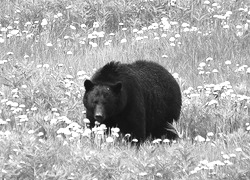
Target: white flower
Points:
x,y
172,39
202,64
1,40
238,149
14,32
228,62
134,140
49,44
109,139
115,130
124,40
72,27
210,134
96,24
44,22
199,138
206,2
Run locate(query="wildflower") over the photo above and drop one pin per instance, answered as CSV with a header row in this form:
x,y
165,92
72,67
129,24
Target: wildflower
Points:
x,y
143,174
65,131
159,175
185,25
228,62
10,53
175,75
53,121
166,141
83,26
22,106
164,35
116,130
172,39
199,138
49,44
68,76
33,109
206,2
134,140
202,64
44,22
210,134
219,163
101,34
226,26
239,27
109,139
225,156
135,30
204,162
238,149
121,24
69,53
23,118
82,42
46,65
215,71
69,7
239,34
123,40
31,132
248,70
4,29
139,38
127,136
96,24
1,40
215,4
177,35
13,104
227,162
14,32
103,127
2,122
172,44
72,27
54,109
232,155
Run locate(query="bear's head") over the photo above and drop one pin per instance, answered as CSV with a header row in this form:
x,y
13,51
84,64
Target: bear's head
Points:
x,y
102,101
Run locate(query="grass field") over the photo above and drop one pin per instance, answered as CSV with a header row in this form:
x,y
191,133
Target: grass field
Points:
x,y
48,48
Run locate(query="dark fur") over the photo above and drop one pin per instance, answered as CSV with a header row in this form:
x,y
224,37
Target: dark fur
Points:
x,y
141,98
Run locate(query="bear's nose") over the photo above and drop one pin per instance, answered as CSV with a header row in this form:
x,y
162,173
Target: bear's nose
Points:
x,y
99,118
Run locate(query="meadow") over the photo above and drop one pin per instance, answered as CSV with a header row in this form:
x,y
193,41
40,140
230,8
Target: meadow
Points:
x,y
49,48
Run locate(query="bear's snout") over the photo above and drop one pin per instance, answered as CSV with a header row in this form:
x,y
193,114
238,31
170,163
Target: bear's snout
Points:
x,y
99,114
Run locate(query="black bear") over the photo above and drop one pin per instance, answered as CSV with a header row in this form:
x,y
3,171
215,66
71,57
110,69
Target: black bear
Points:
x,y
141,99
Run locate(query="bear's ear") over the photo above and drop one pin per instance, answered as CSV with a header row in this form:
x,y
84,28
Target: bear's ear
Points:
x,y
88,85
117,87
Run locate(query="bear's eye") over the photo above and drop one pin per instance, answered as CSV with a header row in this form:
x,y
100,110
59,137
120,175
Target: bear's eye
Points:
x,y
108,88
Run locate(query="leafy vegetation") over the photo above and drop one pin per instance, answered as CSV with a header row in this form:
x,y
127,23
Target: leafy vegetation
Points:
x,y
47,50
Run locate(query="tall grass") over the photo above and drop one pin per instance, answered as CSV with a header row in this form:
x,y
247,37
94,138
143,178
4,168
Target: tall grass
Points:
x,y
48,49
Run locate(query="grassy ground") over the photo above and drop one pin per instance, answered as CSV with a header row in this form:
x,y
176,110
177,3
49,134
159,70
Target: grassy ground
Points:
x,y
48,49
